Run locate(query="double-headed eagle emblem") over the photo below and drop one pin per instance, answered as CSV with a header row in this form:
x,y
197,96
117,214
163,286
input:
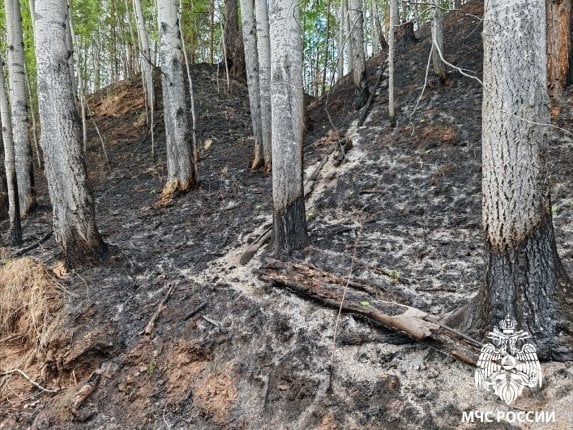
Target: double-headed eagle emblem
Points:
x,y
508,364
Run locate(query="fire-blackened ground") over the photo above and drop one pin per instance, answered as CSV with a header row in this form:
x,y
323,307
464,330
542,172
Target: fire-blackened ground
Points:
x,y
228,351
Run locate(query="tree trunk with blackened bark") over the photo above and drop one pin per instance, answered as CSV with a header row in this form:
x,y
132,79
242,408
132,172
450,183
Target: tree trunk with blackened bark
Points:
x,y
252,68
234,41
525,278
289,218
264,51
391,52
558,45
19,106
72,199
180,167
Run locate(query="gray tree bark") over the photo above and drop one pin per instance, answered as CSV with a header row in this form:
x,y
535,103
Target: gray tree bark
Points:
x,y
525,278
10,163
289,218
234,41
356,19
19,106
72,199
264,51
146,69
391,50
252,69
437,41
341,48
180,166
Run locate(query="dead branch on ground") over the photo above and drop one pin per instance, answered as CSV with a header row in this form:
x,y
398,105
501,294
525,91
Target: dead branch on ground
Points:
x,y
151,324
370,301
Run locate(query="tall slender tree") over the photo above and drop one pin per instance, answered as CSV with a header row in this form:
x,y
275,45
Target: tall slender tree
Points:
x,y
525,278
264,51
437,41
180,167
358,59
234,41
72,199
10,163
558,45
19,106
252,68
391,50
289,219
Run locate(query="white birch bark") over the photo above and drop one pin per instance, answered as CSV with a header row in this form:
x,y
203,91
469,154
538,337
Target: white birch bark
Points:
x,y
72,200
252,68
9,163
289,222
180,166
18,104
264,52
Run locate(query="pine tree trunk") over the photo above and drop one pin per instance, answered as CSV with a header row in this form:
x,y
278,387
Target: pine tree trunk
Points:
x,y
19,106
525,278
10,164
437,42
356,18
558,45
264,51
252,68
180,167
234,41
289,218
72,199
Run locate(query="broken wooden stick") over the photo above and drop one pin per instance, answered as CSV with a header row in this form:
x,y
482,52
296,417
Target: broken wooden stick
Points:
x,y
30,380
151,324
22,251
380,307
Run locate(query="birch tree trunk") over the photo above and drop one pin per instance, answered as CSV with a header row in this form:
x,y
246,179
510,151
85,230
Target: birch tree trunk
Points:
x,y
391,50
4,205
558,45
19,106
252,69
72,199
10,164
356,18
146,69
525,278
264,51
437,41
180,166
289,218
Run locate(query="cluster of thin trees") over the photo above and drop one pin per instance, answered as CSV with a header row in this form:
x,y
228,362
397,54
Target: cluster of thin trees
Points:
x,y
524,279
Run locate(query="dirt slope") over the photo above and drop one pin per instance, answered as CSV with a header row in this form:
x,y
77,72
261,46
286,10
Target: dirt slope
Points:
x,y
229,351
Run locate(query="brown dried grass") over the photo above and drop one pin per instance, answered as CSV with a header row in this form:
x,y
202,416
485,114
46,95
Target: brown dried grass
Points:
x,y
29,300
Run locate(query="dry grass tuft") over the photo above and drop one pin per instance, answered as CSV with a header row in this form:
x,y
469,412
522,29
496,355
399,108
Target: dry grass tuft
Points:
x,y
29,299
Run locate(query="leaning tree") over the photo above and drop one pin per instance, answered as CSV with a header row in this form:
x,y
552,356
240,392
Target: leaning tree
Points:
x,y
525,278
72,200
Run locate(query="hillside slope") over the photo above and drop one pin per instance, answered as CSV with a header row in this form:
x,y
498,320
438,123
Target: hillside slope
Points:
x,y
228,351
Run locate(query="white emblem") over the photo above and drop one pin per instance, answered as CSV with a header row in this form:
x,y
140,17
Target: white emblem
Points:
x,y
508,364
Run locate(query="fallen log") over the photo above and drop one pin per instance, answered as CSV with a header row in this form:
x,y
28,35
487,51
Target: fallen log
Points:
x,y
379,306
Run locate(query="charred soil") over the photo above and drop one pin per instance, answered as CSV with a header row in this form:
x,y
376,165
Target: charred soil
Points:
x,y
224,350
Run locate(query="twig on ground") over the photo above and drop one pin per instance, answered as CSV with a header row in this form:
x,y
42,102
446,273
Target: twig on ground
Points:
x,y
30,380
22,251
151,324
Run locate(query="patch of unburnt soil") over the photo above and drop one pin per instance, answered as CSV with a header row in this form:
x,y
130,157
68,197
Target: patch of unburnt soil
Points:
x,y
228,351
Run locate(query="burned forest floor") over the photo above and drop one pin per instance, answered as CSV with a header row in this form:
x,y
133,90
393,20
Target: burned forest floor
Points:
x,y
173,333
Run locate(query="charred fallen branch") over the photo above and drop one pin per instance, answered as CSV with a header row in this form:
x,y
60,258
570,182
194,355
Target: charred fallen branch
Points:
x,y
370,301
